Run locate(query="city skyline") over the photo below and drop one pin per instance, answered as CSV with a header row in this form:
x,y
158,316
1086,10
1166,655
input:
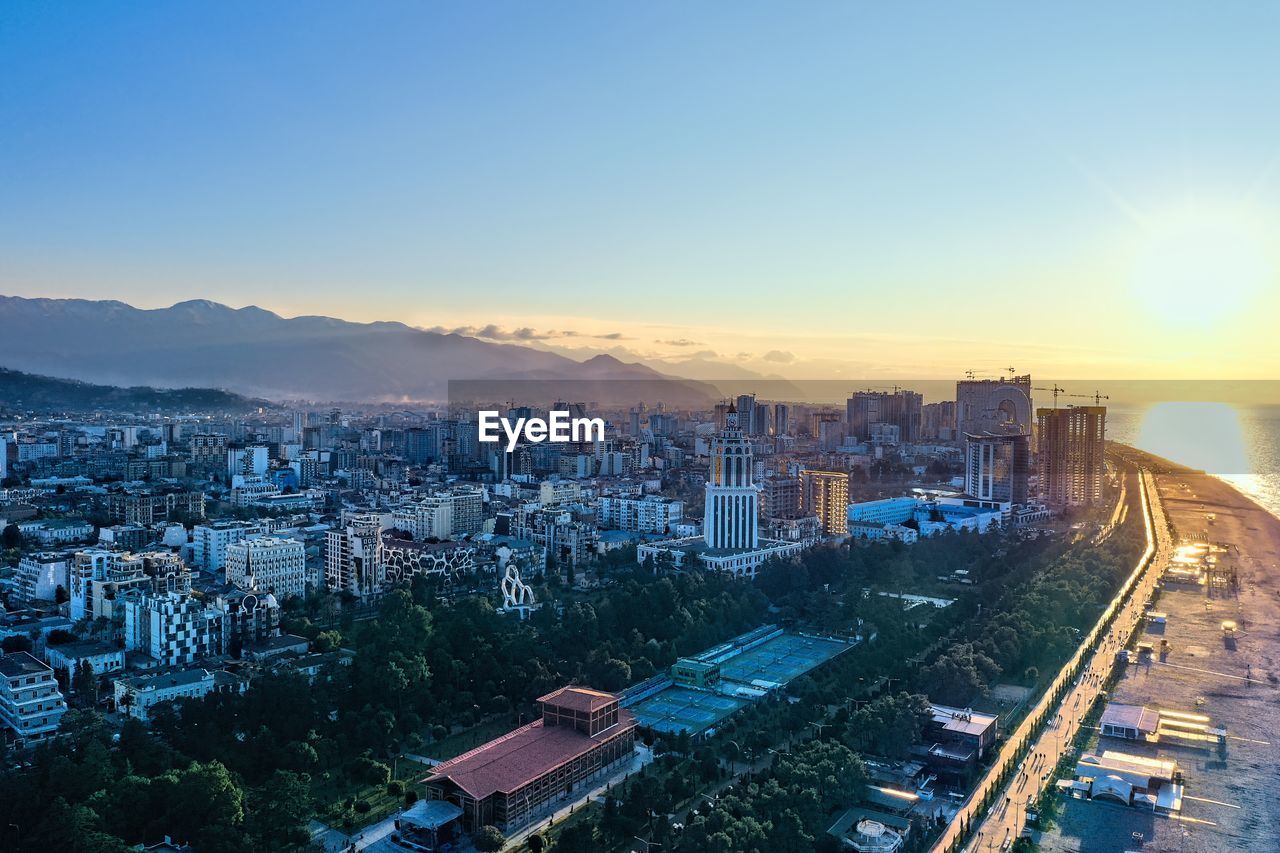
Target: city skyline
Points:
x,y
659,183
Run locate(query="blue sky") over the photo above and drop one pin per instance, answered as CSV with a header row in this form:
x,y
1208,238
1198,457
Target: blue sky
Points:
x,y
829,183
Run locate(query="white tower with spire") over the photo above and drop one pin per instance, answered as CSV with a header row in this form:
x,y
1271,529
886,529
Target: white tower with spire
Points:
x,y
730,519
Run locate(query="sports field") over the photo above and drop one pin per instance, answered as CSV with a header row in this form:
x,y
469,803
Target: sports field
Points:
x,y
745,676
684,709
780,660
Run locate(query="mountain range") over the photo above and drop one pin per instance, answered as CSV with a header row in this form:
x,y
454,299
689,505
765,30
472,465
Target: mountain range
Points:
x,y
255,352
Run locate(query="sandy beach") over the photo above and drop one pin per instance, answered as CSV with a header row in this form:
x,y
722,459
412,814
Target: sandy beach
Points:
x,y
1232,792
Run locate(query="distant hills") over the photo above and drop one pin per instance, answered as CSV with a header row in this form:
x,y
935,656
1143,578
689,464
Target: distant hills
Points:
x,y
255,352
20,392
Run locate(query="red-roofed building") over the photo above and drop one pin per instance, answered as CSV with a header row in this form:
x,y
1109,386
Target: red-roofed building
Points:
x,y
507,782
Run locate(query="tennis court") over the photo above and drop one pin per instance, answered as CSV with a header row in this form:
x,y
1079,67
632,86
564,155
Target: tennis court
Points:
x,y
684,709
780,660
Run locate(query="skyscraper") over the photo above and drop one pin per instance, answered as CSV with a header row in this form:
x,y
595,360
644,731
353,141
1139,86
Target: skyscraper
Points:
x,y
995,467
1072,443
730,519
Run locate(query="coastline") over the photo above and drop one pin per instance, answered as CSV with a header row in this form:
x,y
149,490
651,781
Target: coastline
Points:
x,y
1235,683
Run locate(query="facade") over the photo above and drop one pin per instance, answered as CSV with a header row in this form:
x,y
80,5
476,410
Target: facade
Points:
x,y
31,705
209,542
40,575
268,564
825,494
353,558
175,629
996,467
731,517
67,658
1072,451
402,559
102,581
125,508
429,518
900,408
780,497
137,696
994,406
649,514
516,779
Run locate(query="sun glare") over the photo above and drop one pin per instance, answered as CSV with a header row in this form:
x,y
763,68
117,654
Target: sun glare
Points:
x,y
1197,272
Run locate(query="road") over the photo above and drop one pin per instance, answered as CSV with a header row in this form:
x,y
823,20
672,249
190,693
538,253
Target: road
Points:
x,y
998,804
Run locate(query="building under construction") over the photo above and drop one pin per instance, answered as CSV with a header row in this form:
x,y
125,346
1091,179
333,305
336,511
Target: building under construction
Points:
x,y
994,406
1072,446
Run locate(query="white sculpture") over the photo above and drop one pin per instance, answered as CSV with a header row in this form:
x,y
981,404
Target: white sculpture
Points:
x,y
516,594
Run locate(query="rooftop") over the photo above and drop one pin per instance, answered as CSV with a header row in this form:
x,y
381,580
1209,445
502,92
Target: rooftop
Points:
x,y
20,663
519,757
579,699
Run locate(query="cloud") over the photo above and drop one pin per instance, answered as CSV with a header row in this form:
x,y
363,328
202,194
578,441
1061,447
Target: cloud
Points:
x,y
678,342
779,356
492,332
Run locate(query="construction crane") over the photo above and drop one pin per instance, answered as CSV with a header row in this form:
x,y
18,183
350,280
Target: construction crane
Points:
x,y
1056,391
1097,397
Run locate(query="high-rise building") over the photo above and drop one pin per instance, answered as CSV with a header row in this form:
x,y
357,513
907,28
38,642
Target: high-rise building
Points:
x,y
994,406
731,518
902,408
826,495
938,420
353,559
268,564
781,418
1072,445
996,466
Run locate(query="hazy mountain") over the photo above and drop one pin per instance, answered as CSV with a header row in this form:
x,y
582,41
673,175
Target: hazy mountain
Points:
x,y
252,351
23,392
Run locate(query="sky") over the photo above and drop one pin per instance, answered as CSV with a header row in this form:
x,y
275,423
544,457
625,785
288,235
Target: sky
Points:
x,y
811,190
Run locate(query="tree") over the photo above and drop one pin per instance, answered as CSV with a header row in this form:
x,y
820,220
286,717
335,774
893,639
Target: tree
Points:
x,y
279,812
489,839
85,684
11,537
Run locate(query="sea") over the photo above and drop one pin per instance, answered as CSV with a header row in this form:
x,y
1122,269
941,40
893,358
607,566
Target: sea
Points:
x,y
1238,443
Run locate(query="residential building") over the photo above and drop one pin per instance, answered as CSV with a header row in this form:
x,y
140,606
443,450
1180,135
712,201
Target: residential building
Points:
x,y
648,514
209,542
40,575
826,495
175,629
138,695
268,564
353,559
147,509
67,658
1072,450
31,705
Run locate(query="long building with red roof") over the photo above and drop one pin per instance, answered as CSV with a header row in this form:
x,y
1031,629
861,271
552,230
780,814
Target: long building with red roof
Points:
x,y
508,781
